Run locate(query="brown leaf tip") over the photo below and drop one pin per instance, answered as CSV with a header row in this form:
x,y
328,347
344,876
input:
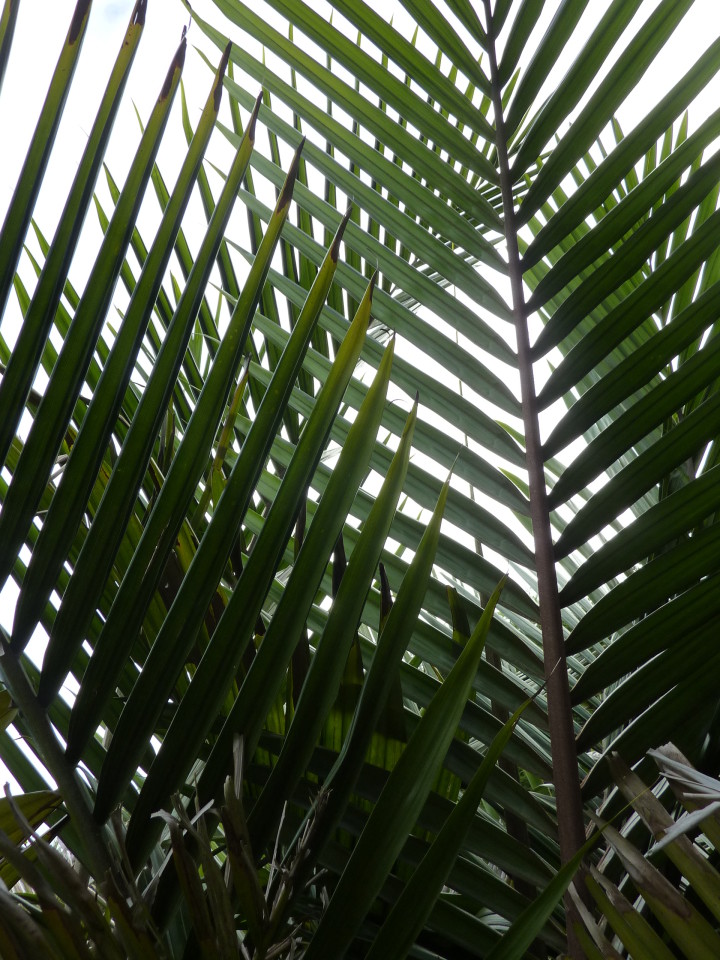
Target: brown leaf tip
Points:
x,y
335,248
177,64
226,55
296,158
79,17
287,191
220,74
138,14
254,116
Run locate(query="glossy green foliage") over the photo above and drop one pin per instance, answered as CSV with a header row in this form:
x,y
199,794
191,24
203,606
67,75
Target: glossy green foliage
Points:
x,y
226,513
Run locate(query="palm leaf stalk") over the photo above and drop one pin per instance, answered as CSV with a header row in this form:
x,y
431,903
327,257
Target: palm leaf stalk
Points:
x,y
570,817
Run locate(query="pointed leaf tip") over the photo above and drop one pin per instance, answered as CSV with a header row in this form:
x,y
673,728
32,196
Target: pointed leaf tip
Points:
x,y
81,11
139,12
373,281
221,73
335,248
177,64
298,151
287,191
254,116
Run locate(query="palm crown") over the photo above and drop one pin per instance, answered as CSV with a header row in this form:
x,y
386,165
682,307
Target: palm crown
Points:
x,y
398,696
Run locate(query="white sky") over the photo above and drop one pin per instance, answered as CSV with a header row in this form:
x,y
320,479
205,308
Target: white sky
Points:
x,y
42,25
35,53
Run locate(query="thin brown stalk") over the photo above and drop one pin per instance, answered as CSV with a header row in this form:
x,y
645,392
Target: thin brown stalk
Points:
x,y
562,739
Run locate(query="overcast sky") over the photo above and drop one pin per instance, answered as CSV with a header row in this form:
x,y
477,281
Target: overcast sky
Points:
x,y
42,25
40,31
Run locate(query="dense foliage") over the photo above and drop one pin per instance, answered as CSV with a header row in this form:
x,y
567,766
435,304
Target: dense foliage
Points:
x,y
331,628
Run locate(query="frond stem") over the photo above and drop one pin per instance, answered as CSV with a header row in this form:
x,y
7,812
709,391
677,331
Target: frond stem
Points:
x,y
571,832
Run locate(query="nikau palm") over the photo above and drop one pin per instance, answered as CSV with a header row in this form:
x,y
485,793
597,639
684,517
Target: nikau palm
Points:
x,y
358,677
